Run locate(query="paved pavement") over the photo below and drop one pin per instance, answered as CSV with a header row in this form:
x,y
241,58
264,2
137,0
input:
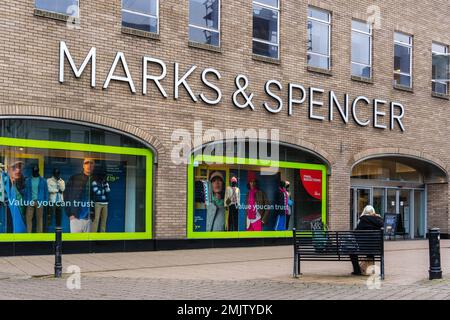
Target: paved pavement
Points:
x,y
238,273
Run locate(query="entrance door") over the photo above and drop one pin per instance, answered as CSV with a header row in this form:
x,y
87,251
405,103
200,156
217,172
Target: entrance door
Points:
x,y
408,204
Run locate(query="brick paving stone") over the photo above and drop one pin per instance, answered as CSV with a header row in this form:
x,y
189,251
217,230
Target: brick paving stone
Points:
x,y
107,288
160,275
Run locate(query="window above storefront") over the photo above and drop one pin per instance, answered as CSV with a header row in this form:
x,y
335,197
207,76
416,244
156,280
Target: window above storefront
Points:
x,y
386,169
399,169
63,132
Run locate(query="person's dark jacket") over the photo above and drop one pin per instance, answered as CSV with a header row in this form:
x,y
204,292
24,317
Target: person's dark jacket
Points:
x,y
370,223
79,189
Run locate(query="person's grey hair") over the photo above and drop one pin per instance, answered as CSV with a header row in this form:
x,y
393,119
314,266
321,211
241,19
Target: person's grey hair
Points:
x,y
368,211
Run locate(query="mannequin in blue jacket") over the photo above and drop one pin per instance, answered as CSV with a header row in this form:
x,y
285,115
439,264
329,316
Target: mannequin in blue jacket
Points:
x,y
36,191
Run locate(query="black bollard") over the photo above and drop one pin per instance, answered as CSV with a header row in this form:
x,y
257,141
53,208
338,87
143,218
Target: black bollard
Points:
x,y
435,254
58,252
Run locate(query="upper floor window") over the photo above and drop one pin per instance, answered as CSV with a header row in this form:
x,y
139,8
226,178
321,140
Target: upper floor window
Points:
x,y
266,26
65,7
403,46
204,21
319,38
441,70
361,49
141,15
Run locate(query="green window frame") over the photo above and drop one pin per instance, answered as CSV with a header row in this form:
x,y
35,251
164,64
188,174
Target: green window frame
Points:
x,y
191,234
70,146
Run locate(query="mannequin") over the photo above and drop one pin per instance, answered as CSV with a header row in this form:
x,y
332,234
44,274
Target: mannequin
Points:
x,y
100,190
3,213
36,191
232,202
79,188
14,183
215,210
56,187
281,207
290,204
257,204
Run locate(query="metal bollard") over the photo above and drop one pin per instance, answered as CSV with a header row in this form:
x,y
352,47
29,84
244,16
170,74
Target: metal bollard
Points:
x,y
435,254
58,252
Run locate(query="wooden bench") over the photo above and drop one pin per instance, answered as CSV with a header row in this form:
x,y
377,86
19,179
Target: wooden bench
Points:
x,y
321,245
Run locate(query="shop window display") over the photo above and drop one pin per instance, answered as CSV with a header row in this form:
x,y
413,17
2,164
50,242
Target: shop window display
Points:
x,y
242,199
84,188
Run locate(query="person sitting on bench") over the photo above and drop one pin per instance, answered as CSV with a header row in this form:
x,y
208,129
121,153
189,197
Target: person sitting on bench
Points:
x,y
369,220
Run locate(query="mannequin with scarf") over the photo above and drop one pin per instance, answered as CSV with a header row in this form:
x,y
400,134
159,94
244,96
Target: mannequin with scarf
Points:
x,y
281,207
232,202
215,211
36,191
257,205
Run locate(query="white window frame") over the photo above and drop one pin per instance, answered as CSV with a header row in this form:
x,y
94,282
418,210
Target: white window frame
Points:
x,y
259,4
370,34
210,29
410,46
325,22
65,13
447,54
145,15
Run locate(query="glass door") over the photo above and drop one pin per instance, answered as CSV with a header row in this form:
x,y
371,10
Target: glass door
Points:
x,y
379,200
408,204
361,198
392,201
419,214
404,205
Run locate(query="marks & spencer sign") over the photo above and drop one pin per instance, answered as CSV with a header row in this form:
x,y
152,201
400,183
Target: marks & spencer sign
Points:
x,y
384,114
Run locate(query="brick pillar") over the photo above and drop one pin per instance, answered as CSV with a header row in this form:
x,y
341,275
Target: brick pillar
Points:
x,y
339,197
437,206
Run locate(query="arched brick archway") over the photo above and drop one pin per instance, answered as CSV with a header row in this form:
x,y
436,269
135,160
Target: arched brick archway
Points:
x,y
83,118
400,152
290,141
437,192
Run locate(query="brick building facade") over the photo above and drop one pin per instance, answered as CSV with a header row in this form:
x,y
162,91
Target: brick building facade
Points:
x,y
30,67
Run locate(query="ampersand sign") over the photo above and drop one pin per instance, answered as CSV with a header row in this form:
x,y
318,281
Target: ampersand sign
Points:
x,y
241,91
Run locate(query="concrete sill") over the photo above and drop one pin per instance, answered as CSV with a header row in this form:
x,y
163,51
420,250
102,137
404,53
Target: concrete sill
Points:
x,y
257,57
204,46
140,33
440,96
361,79
403,88
55,16
326,72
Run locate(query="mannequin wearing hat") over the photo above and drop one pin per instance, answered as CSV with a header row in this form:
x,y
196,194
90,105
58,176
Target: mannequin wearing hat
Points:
x,y
257,205
232,202
215,212
36,191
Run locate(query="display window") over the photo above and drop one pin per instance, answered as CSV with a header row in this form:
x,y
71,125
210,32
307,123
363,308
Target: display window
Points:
x,y
94,192
245,198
